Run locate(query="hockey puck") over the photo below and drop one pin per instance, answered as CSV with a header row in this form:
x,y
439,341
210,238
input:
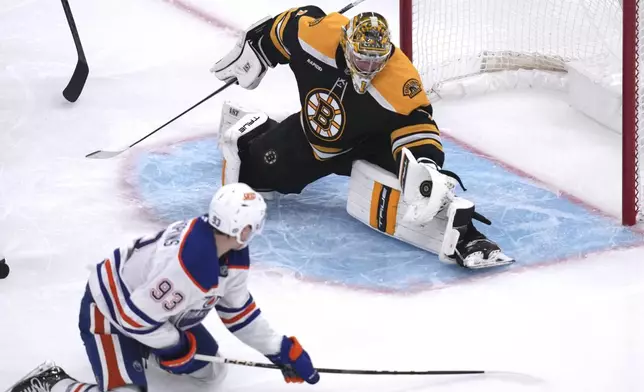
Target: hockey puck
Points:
x,y
426,188
4,269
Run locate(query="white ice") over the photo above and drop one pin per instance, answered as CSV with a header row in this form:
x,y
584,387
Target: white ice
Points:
x,y
572,326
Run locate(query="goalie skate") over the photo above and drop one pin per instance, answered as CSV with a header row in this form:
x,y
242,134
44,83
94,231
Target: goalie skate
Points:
x,y
474,251
41,379
463,244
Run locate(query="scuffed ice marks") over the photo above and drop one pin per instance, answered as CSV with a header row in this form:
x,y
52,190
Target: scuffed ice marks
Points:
x,y
311,236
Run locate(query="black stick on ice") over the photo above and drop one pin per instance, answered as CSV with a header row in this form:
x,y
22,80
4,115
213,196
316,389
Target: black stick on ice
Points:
x,y
77,82
215,359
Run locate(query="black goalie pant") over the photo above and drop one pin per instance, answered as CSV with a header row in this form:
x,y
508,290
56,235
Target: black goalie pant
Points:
x,y
280,158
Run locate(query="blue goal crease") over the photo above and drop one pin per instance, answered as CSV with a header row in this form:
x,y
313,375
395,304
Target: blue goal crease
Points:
x,y
312,234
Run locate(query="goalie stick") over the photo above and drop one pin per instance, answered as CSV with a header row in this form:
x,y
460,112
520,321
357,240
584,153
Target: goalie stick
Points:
x,y
101,154
77,82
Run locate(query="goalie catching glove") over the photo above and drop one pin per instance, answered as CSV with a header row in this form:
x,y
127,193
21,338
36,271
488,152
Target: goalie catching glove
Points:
x,y
425,187
245,62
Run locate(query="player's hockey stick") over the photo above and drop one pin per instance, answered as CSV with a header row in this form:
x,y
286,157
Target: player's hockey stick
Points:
x,y
100,154
76,83
208,358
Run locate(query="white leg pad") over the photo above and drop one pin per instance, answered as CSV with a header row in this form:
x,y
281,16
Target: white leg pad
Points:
x,y
231,112
228,144
375,200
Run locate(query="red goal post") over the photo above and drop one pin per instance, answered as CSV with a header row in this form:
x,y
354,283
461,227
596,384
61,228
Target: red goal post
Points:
x,y
449,40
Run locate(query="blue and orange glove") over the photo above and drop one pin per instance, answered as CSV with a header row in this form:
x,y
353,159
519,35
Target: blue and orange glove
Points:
x,y
179,359
295,362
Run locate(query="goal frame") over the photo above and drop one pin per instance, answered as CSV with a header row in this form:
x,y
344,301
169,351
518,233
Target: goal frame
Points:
x,y
630,98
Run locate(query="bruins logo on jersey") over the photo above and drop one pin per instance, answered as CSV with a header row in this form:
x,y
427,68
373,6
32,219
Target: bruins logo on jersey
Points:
x,y
411,88
325,114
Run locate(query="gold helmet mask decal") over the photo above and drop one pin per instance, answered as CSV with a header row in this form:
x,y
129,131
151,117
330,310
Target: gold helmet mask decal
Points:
x,y
367,47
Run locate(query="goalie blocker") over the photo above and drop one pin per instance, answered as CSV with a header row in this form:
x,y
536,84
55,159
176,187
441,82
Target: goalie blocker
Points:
x,y
375,197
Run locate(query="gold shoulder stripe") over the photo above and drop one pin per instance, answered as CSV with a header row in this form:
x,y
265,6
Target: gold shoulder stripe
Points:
x,y
330,150
399,85
412,129
277,31
322,35
417,143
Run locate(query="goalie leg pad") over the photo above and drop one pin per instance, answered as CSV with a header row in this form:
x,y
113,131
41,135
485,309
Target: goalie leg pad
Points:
x,y
247,126
375,200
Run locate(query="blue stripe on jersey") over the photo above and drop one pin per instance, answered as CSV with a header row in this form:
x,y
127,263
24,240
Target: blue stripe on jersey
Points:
x,y
104,290
199,255
239,258
249,320
224,309
126,293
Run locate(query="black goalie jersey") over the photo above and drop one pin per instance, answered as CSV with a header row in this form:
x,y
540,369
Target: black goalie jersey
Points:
x,y
335,118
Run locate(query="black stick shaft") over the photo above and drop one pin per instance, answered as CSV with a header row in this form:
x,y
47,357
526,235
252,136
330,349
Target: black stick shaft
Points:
x,y
348,7
75,86
74,29
225,86
347,371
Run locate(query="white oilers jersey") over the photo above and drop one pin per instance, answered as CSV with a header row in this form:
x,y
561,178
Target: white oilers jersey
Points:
x,y
171,281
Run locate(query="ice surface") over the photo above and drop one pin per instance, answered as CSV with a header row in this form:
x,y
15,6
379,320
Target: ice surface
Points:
x,y
575,325
312,236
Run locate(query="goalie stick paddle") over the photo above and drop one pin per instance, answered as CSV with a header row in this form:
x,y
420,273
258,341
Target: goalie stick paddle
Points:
x,y
77,82
100,154
208,358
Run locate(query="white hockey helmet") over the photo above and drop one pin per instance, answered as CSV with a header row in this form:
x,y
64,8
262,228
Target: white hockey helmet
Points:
x,y
235,206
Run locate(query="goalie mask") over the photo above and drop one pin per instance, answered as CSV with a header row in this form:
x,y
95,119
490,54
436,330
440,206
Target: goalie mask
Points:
x,y
367,48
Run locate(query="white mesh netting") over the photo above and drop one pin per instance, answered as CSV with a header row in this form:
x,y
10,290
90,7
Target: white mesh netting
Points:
x,y
456,39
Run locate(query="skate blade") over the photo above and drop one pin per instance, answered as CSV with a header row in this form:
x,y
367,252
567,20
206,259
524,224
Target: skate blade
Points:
x,y
496,259
37,370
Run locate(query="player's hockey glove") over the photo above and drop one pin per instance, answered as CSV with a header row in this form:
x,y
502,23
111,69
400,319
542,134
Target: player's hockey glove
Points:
x,y
295,362
180,358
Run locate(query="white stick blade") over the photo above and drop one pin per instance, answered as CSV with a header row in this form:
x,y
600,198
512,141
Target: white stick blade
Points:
x,y
100,154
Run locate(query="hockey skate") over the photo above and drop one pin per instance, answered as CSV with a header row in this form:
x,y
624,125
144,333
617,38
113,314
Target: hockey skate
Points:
x,y
474,250
41,379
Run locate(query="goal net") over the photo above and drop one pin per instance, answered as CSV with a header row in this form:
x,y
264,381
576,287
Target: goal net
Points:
x,y
591,43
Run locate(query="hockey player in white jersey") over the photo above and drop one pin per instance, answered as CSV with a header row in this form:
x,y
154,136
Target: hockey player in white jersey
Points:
x,y
150,298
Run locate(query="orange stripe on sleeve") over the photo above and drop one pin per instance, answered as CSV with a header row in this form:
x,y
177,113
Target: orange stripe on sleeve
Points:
x,y
241,315
117,302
